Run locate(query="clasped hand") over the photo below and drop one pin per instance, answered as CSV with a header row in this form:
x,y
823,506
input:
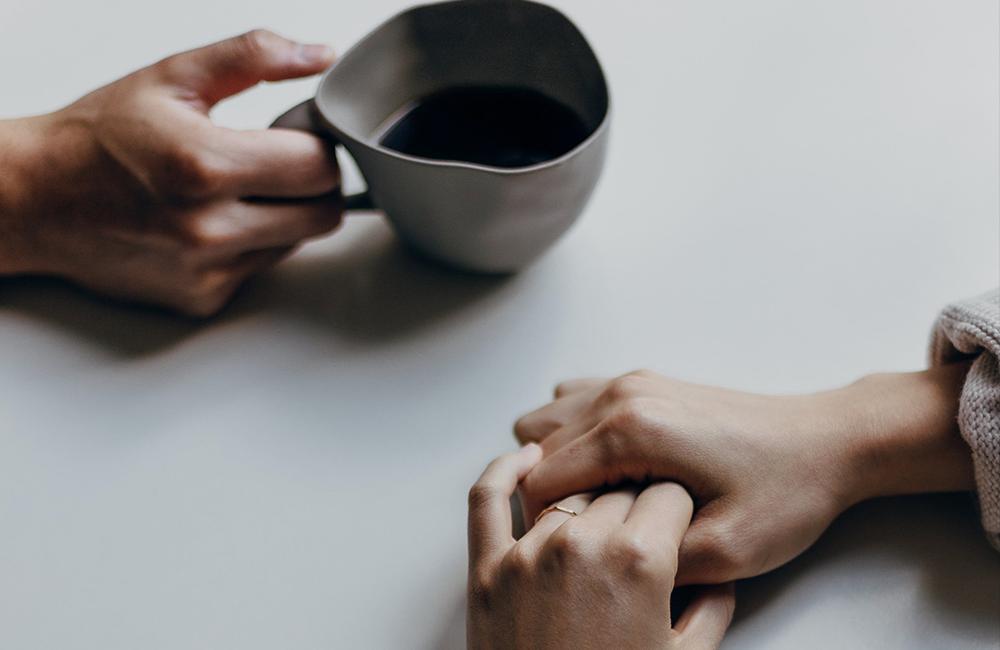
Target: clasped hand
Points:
x,y
766,476
599,579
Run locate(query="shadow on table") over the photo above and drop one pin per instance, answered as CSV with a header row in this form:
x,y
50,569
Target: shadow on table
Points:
x,y
125,330
938,533
371,291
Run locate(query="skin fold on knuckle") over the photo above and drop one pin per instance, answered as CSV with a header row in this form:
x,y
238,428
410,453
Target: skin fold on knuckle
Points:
x,y
518,565
480,589
613,442
206,306
530,427
482,494
202,307
633,415
621,388
570,545
639,559
524,429
210,292
189,172
258,42
632,384
199,233
176,70
712,554
570,386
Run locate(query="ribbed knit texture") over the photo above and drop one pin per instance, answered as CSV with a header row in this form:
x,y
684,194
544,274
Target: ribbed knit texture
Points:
x,y
971,328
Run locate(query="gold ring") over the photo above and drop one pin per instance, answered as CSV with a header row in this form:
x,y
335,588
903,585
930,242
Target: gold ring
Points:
x,y
556,508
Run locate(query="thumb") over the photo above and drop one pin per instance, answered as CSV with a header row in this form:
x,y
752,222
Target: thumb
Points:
x,y
705,621
216,71
713,551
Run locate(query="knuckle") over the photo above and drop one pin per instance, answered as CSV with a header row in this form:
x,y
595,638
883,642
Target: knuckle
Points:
x,y
481,495
208,294
631,414
256,41
172,68
517,564
639,559
569,544
203,307
563,388
193,172
631,549
611,444
721,548
628,386
197,234
524,427
536,426
480,589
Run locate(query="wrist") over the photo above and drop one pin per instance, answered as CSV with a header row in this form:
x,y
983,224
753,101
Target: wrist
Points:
x,y
902,434
45,164
21,165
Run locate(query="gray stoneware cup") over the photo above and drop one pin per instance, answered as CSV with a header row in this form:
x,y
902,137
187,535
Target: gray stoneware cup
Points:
x,y
474,217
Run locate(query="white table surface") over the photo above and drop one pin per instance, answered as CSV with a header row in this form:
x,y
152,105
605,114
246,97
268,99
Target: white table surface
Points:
x,y
794,189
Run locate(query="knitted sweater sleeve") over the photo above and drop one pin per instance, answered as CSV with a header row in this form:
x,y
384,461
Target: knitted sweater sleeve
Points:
x,y
971,328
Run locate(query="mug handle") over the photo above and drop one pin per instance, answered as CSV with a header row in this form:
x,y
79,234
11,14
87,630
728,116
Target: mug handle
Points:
x,y
303,117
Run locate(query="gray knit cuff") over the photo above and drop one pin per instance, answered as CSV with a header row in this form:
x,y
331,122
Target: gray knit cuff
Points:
x,y
972,329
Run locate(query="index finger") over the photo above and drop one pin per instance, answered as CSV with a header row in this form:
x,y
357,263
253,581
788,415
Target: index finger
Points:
x,y
581,385
661,513
490,518
227,67
596,459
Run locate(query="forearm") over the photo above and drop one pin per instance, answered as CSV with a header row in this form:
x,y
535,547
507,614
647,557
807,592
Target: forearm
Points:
x,y
906,437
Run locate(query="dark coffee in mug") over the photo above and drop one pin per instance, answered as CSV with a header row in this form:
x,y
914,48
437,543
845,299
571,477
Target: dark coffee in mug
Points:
x,y
498,171
499,126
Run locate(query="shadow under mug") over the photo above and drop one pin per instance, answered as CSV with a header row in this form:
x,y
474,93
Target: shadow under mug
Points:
x,y
471,216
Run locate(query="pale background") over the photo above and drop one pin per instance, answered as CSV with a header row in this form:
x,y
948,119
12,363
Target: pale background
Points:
x,y
794,189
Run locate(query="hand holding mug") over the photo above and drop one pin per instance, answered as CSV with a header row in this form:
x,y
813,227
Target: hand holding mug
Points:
x,y
132,191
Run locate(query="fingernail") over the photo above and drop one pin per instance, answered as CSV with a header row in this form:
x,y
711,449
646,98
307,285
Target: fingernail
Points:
x,y
313,54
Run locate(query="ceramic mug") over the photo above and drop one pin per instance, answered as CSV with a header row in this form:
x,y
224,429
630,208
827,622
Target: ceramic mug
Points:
x,y
471,216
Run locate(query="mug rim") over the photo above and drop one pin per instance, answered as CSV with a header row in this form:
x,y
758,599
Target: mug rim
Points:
x,y
596,133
